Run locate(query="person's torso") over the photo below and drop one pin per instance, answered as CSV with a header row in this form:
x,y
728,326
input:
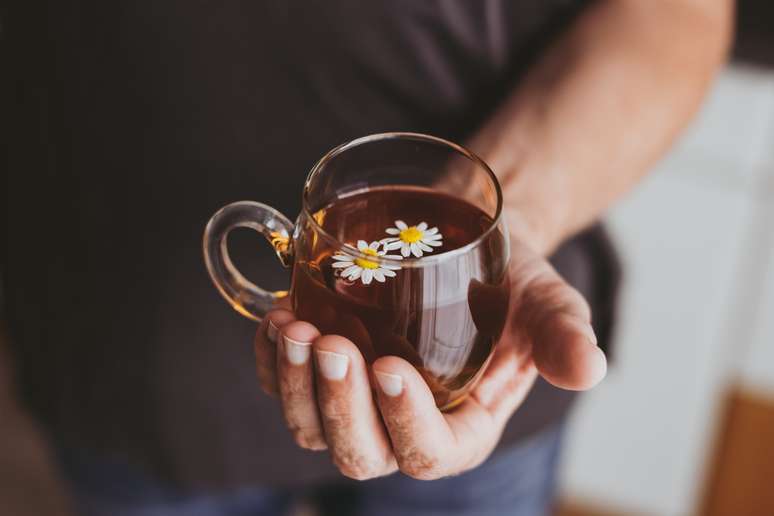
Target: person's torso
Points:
x,y
135,122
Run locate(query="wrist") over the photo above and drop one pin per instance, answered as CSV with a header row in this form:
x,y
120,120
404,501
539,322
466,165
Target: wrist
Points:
x,y
529,230
535,204
536,208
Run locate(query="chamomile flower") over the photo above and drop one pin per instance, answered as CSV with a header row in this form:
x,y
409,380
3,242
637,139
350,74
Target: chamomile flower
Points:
x,y
412,239
365,270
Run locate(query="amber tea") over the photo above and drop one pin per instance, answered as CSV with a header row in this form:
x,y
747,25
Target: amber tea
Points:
x,y
400,246
443,316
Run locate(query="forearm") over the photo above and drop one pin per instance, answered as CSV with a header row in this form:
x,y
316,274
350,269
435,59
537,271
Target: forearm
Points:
x,y
601,106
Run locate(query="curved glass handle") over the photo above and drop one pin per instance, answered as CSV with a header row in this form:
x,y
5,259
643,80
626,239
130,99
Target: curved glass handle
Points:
x,y
245,297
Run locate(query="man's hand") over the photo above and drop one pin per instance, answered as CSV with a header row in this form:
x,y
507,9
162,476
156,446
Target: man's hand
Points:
x,y
324,384
586,122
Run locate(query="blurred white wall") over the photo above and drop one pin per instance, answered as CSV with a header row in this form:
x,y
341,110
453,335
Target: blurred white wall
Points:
x,y
697,313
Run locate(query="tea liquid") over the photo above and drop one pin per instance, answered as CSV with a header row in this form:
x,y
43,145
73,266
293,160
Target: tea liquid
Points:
x,y
444,318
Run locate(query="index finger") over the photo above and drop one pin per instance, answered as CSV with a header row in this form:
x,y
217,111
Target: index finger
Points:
x,y
423,443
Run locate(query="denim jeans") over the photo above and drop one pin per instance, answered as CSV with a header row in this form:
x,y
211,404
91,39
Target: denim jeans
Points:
x,y
517,481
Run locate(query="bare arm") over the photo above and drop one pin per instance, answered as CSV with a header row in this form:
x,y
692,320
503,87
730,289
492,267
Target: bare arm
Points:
x,y
597,111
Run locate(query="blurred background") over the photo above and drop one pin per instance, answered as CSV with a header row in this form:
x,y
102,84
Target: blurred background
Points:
x,y
684,422
697,316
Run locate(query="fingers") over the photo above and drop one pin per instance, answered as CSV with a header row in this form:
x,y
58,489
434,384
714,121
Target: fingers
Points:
x,y
556,319
567,354
423,443
505,383
296,384
356,438
265,348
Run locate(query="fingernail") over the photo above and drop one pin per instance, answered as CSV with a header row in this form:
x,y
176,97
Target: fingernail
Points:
x,y
391,384
271,332
297,352
333,366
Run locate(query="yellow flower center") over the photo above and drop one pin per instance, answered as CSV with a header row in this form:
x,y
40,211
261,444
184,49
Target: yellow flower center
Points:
x,y
367,264
411,235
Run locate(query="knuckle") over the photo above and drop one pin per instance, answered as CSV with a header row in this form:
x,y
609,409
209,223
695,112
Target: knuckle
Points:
x,y
336,411
358,474
548,296
339,423
309,438
356,468
560,297
421,473
420,466
296,391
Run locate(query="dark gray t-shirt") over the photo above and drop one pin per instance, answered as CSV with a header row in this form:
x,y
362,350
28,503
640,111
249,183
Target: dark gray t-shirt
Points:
x,y
132,122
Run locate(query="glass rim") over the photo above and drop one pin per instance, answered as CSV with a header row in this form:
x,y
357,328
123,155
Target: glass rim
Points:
x,y
409,262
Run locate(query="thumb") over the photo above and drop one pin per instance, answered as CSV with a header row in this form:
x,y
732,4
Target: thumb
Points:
x,y
557,321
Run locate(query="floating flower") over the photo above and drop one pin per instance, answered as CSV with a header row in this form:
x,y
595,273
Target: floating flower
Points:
x,y
412,239
363,268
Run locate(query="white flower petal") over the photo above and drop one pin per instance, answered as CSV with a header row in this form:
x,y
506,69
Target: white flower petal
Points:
x,y
431,231
436,236
391,267
396,244
416,251
434,243
422,226
379,275
367,276
426,248
355,274
374,245
393,256
405,249
387,272
401,225
341,265
350,270
362,245
342,257
392,231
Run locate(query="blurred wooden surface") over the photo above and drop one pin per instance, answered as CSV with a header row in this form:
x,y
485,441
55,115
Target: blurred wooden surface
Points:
x,y
742,475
